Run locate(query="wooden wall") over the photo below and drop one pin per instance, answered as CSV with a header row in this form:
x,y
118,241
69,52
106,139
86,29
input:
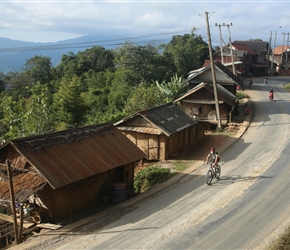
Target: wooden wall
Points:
x,y
69,200
160,147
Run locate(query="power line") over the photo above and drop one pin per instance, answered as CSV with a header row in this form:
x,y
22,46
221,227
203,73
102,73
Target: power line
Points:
x,y
109,42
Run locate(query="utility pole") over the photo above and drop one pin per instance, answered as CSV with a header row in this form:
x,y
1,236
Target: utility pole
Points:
x,y
233,63
268,52
230,41
221,44
287,51
219,126
282,55
273,53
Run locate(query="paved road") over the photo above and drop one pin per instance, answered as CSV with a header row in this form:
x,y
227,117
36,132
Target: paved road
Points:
x,y
246,209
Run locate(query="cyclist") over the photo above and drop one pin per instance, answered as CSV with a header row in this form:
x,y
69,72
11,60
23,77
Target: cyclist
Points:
x,y
214,155
271,90
271,94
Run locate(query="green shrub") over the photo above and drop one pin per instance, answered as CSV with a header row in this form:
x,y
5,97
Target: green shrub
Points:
x,y
287,86
150,176
241,95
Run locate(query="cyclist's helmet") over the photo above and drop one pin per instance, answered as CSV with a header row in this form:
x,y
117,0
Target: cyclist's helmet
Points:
x,y
212,149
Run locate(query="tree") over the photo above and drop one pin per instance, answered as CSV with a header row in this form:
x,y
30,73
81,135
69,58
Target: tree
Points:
x,y
173,89
67,66
136,62
119,93
12,122
97,59
96,96
39,117
18,85
38,69
188,52
69,105
2,82
142,98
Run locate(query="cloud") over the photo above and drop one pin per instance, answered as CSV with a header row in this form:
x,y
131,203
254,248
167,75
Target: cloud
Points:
x,y
46,21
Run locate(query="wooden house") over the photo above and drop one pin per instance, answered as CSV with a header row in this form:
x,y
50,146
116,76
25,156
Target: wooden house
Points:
x,y
69,171
162,131
199,103
224,77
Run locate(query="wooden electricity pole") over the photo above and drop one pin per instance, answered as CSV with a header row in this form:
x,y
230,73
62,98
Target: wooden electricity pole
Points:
x,y
287,51
230,41
221,44
273,52
219,126
12,199
232,56
282,55
268,52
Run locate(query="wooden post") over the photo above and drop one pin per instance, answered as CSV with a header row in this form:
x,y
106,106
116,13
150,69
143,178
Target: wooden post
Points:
x,y
8,162
21,224
216,100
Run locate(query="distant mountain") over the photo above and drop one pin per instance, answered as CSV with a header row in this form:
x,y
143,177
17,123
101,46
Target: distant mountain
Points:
x,y
14,53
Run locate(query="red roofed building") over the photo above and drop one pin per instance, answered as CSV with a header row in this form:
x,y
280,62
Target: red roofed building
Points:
x,y
280,60
252,56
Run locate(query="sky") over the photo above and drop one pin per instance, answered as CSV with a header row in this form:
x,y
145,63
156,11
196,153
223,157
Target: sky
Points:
x,y
52,21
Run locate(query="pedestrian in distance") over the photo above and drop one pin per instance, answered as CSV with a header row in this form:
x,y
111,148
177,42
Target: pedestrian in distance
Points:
x,y
247,110
250,83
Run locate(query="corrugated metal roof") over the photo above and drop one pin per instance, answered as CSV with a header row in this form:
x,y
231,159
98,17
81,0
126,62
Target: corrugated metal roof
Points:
x,y
225,70
69,156
281,49
144,130
223,94
24,185
257,46
169,118
243,48
225,76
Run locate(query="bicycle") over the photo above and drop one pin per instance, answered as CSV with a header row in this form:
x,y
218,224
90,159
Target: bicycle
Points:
x,y
212,172
30,212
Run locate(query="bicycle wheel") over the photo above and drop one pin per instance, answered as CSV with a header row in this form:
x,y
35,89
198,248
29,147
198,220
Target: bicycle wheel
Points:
x,y
217,172
35,217
208,177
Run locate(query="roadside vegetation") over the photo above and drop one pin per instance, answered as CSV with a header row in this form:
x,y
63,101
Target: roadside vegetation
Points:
x,y
241,95
150,176
282,243
156,173
96,85
287,86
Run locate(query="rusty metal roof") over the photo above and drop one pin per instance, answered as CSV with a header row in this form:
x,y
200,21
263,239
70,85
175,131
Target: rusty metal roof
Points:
x,y
223,94
69,156
24,185
143,130
259,47
168,119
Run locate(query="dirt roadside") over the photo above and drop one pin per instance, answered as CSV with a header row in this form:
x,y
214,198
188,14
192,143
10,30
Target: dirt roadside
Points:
x,y
196,155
